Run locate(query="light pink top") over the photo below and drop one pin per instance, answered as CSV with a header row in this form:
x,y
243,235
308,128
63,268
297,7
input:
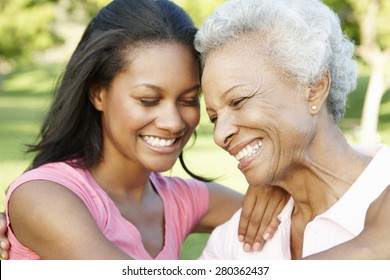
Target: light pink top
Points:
x,y
342,222
185,203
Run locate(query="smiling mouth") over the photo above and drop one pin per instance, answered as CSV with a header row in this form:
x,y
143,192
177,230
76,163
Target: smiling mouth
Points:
x,y
248,150
158,142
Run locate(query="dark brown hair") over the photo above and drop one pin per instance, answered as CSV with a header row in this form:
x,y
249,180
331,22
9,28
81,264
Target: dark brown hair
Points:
x,y
72,129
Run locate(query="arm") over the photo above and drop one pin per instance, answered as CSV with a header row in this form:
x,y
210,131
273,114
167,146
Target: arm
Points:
x,y
42,212
373,242
223,203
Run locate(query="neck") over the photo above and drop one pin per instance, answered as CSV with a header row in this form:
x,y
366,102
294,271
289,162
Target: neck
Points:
x,y
122,179
325,172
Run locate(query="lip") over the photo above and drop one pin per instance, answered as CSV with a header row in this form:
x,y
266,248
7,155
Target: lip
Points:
x,y
245,162
164,149
236,149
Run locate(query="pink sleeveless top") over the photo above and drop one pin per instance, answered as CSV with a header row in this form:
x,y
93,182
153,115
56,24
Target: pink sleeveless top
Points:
x,y
185,203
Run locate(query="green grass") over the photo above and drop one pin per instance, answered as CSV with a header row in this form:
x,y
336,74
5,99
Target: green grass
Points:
x,y
25,95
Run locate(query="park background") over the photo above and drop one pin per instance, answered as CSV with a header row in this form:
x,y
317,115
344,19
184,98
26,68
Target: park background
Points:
x,y
38,36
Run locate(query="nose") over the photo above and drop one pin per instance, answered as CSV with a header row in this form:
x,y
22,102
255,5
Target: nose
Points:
x,y
224,130
171,119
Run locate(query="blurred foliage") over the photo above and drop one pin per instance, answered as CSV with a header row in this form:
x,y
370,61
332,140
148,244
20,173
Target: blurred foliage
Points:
x,y
351,13
82,10
27,26
200,9
347,18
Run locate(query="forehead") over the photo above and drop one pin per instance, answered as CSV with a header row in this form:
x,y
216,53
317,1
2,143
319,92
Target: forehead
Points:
x,y
240,61
167,61
165,67
157,52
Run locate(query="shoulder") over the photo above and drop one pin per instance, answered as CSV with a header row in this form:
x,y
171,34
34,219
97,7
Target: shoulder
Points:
x,y
39,194
37,201
54,222
223,242
53,182
58,173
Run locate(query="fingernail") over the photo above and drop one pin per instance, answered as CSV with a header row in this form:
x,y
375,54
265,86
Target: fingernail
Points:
x,y
241,238
3,245
266,236
3,255
256,246
247,247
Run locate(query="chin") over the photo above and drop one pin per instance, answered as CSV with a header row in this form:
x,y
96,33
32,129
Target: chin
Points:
x,y
254,179
161,167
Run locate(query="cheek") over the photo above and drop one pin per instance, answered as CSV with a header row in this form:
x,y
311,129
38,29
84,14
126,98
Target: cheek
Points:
x,y
125,115
259,116
191,117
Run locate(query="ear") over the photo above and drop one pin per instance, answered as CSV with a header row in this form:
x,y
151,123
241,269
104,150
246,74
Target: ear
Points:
x,y
318,93
96,96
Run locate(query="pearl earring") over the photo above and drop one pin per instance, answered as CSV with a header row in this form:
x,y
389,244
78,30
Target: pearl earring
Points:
x,y
314,107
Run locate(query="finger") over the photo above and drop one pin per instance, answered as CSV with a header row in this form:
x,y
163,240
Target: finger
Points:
x,y
272,227
260,219
262,238
254,207
4,248
246,212
269,223
273,221
254,225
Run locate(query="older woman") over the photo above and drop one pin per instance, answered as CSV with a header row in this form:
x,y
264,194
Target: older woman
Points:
x,y
276,78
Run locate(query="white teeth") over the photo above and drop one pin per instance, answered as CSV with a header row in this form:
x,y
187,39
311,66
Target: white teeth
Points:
x,y
248,150
157,142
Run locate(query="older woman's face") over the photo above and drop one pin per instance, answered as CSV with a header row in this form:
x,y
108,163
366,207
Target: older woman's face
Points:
x,y
260,118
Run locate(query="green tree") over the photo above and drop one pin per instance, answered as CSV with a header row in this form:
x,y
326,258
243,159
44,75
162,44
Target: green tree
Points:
x,y
374,49
83,10
25,25
28,26
199,9
367,23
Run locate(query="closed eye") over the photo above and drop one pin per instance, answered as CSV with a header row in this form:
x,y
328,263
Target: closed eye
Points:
x,y
238,101
213,119
149,102
190,101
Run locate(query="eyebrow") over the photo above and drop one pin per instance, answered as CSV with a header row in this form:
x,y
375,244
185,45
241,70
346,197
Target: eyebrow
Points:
x,y
226,93
147,86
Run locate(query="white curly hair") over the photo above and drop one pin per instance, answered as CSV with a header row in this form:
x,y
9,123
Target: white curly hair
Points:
x,y
303,38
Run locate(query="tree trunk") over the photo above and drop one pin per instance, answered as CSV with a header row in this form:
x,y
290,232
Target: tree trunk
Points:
x,y
371,52
376,89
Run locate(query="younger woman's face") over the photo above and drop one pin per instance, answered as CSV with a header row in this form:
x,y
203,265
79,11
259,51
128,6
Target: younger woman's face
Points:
x,y
152,107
